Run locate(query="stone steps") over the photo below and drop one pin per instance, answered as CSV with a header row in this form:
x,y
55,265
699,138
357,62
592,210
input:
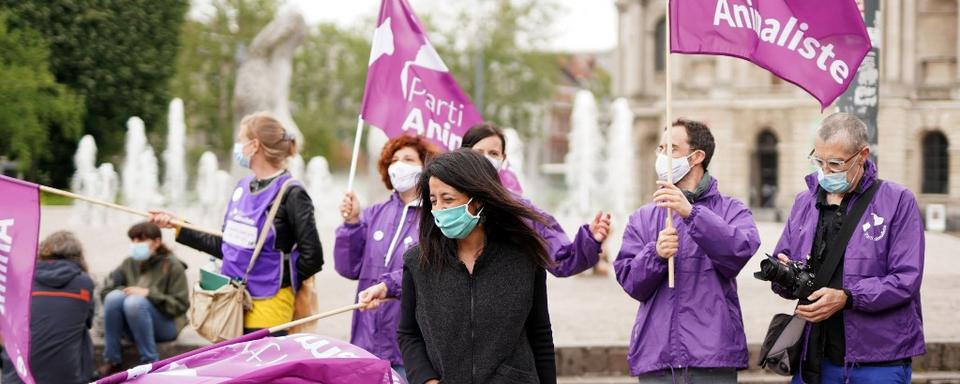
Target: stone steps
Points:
x,y
595,364
603,361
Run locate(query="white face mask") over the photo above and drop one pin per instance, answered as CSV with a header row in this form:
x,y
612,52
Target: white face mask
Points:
x,y
681,167
497,163
404,176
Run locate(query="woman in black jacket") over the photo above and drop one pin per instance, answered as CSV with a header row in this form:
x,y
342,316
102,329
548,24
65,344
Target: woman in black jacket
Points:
x,y
291,253
474,308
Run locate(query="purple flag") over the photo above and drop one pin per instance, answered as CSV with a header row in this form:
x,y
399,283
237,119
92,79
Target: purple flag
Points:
x,y
297,358
815,44
19,235
409,89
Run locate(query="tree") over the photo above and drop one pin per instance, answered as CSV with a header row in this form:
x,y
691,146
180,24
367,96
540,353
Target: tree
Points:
x,y
208,62
330,72
118,54
35,111
518,80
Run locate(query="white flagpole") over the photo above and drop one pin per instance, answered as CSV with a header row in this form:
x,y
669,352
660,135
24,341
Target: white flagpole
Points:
x,y
356,153
669,148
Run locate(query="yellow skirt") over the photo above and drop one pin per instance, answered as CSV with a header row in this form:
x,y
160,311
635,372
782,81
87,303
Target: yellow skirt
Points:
x,y
271,312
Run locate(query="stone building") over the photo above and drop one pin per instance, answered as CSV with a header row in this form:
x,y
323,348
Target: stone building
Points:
x,y
765,126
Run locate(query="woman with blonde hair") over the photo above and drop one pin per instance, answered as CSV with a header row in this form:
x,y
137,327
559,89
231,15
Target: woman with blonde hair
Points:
x,y
291,252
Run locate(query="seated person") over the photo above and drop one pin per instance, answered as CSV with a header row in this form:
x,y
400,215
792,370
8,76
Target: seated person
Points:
x,y
145,298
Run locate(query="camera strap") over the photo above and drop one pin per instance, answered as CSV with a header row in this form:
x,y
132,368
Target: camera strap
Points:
x,y
851,221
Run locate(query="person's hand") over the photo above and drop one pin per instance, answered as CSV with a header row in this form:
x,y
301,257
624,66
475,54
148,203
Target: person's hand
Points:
x,y
433,381
600,228
161,218
371,298
784,259
350,208
667,243
136,291
669,196
826,302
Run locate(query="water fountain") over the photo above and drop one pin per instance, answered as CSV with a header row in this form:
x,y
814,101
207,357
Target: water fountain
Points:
x,y
108,185
621,159
583,158
213,189
140,173
174,157
295,165
85,180
319,184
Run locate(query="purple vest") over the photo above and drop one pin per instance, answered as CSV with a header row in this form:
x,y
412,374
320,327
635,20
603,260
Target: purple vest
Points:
x,y
245,218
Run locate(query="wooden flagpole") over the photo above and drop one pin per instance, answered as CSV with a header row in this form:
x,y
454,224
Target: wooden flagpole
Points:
x,y
91,200
668,107
286,326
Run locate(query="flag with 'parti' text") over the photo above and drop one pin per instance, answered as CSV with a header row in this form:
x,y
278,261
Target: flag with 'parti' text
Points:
x,y
19,234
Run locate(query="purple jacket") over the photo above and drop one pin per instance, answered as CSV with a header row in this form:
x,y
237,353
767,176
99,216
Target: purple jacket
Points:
x,y
697,323
359,252
882,268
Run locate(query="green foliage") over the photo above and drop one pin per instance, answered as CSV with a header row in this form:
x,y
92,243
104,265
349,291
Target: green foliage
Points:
x,y
330,72
518,81
118,54
207,66
35,111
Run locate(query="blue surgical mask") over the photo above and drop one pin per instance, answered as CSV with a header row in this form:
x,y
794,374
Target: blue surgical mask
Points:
x,y
140,251
456,222
834,182
239,157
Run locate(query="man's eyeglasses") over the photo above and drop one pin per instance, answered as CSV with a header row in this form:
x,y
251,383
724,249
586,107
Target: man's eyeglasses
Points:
x,y
834,165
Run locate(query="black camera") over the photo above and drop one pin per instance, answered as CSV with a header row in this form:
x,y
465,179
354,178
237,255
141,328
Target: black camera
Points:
x,y
796,278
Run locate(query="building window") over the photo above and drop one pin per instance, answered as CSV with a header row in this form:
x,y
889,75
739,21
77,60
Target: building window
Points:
x,y
765,173
660,44
936,163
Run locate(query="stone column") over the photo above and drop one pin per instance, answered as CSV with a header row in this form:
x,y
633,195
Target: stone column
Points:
x,y
891,43
908,41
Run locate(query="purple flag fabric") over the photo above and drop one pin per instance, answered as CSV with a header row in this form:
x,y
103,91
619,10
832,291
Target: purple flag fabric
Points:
x,y
815,44
19,236
297,358
409,90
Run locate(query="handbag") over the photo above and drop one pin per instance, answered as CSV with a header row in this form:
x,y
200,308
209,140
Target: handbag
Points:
x,y
784,343
306,304
217,315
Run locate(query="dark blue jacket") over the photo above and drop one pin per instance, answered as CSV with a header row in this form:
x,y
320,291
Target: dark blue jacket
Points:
x,y
61,313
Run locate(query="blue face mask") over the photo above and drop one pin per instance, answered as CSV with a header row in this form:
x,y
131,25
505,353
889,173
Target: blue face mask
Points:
x,y
238,156
834,182
140,251
456,222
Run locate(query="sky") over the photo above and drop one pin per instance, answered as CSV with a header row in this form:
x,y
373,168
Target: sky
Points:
x,y
581,25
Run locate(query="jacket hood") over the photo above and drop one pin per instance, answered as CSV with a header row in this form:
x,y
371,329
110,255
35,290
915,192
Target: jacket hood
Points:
x,y
56,273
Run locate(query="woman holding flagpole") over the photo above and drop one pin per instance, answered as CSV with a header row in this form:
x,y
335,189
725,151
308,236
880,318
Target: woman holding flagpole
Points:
x,y
291,252
475,303
369,244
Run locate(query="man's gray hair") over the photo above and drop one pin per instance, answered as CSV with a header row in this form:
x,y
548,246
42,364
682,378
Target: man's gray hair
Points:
x,y
846,127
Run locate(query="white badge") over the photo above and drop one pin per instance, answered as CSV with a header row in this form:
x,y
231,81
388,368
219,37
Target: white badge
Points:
x,y
407,241
378,235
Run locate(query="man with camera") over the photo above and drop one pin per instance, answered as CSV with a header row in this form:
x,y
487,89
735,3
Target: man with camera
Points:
x,y
694,331
864,321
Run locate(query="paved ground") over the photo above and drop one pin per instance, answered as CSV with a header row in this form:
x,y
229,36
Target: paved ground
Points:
x,y
586,310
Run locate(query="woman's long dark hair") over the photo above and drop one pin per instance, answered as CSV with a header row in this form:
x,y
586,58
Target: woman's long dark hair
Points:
x,y
504,217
